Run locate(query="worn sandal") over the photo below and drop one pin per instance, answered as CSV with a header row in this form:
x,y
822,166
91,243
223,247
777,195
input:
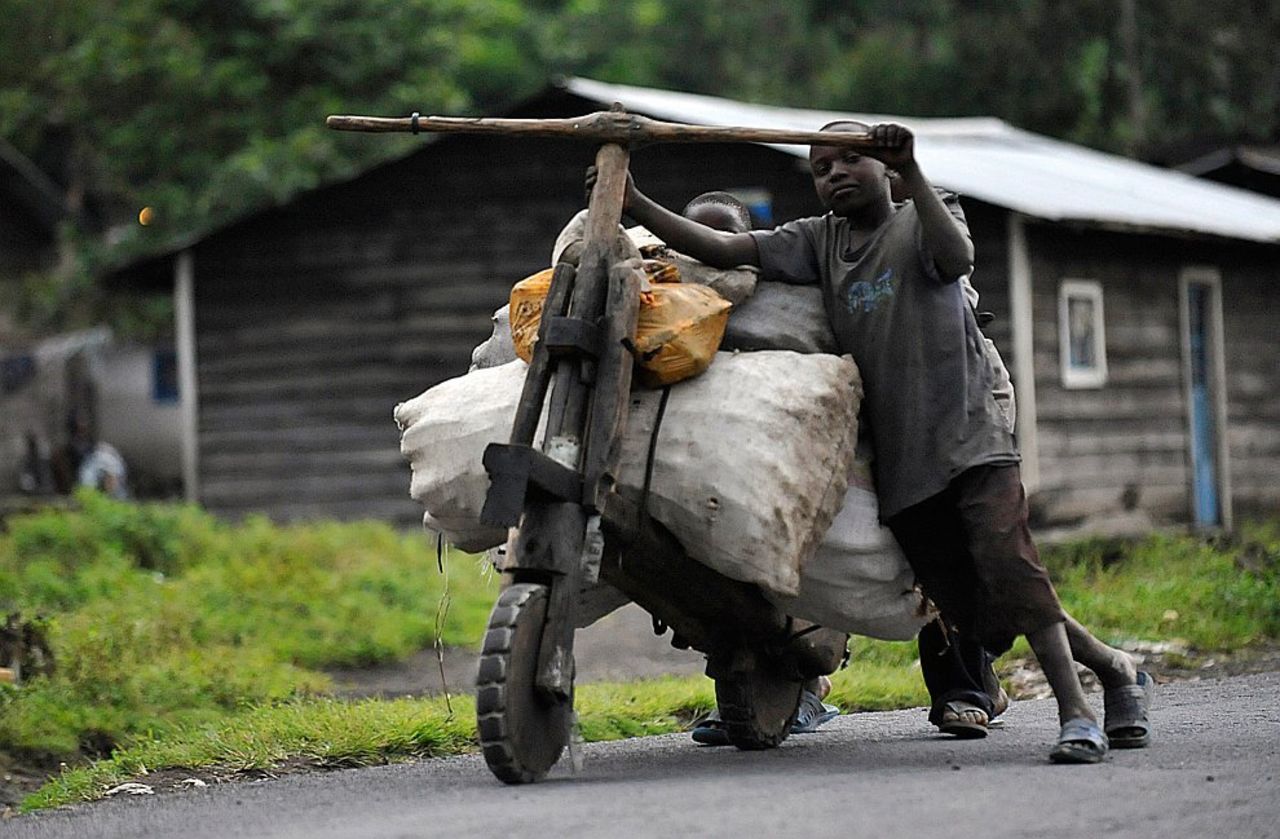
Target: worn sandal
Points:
x,y
954,722
1126,713
1080,741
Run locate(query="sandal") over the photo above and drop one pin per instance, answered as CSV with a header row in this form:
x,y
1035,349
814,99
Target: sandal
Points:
x,y
954,722
1126,713
1080,741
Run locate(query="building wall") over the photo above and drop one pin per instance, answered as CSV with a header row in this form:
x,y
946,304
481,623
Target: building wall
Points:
x,y
146,431
1125,446
1251,299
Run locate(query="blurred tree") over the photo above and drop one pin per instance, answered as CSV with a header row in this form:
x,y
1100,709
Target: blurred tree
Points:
x,y
204,110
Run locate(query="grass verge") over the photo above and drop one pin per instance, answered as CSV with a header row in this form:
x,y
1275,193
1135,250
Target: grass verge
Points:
x,y
1215,595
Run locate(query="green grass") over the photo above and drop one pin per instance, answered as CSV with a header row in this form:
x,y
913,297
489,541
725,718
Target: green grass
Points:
x,y
186,643
162,617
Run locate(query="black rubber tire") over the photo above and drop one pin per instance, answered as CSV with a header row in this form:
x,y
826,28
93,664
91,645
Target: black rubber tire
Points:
x,y
757,704
522,733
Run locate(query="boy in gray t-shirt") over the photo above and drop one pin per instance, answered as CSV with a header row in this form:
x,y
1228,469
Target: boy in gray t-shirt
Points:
x,y
946,463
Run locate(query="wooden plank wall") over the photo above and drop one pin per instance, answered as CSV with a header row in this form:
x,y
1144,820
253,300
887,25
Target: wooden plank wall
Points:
x,y
315,320
1250,302
1125,445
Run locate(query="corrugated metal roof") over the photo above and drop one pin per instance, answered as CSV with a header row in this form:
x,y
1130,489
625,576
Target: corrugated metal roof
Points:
x,y
991,160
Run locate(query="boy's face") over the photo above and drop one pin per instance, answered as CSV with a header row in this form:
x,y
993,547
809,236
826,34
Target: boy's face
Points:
x,y
845,180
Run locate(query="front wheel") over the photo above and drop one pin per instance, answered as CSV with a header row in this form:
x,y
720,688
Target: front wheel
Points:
x,y
522,731
757,703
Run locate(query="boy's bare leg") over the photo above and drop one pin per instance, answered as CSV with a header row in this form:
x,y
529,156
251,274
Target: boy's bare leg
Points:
x,y
1053,651
1113,667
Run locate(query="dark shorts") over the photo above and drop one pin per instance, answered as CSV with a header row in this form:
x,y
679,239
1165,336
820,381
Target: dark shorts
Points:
x,y
972,553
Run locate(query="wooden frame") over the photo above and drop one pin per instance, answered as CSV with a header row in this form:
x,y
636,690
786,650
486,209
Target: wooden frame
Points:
x,y
1024,364
1210,277
184,315
1082,335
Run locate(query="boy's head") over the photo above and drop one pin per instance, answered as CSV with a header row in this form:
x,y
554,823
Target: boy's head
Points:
x,y
846,180
719,211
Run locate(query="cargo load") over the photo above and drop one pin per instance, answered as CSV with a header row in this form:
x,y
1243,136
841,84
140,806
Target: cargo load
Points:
x,y
733,284
858,581
678,327
750,468
780,316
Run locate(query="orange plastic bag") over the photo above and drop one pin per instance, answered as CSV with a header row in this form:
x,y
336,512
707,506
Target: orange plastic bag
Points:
x,y
527,297
678,329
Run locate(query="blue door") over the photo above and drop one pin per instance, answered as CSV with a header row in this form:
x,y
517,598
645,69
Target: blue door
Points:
x,y
1205,501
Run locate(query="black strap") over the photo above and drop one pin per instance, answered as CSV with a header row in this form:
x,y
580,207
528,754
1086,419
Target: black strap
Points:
x,y
653,448
413,122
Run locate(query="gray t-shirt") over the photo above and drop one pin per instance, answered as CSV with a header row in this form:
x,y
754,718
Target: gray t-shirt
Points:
x,y
923,359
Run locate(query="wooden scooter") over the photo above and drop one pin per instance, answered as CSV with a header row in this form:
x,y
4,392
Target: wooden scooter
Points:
x,y
575,524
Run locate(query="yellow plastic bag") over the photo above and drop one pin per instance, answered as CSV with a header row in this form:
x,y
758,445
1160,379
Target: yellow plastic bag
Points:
x,y
678,329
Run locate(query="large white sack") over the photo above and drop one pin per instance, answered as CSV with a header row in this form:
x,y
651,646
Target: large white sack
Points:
x,y
445,431
751,460
751,465
859,581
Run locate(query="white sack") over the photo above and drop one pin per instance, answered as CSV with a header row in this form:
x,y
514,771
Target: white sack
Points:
x,y
751,466
859,581
445,431
498,348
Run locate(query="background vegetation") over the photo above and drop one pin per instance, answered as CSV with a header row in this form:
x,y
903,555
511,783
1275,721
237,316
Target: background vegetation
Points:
x,y
205,110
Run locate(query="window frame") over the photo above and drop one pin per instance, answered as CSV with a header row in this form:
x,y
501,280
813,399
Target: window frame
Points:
x,y
1077,378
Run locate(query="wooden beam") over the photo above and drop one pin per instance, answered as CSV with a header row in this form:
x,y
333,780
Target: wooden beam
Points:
x,y
1024,362
184,315
601,127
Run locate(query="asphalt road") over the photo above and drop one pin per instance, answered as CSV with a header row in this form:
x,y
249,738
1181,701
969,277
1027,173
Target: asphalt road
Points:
x,y
1213,771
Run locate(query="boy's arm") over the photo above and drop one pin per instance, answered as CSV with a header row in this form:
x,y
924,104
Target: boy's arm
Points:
x,y
946,240
712,247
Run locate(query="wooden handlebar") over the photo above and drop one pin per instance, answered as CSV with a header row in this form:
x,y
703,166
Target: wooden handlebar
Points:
x,y
601,127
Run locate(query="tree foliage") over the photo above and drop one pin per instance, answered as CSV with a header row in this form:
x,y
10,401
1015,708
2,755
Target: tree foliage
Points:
x,y
204,110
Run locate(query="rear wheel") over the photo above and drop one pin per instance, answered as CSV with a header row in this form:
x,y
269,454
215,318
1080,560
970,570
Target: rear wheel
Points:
x,y
522,732
758,704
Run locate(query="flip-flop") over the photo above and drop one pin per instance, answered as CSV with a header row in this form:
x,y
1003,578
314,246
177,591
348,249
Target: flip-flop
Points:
x,y
953,723
1126,708
1080,741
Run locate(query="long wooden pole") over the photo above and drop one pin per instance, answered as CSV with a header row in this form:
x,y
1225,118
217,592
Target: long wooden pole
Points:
x,y
601,127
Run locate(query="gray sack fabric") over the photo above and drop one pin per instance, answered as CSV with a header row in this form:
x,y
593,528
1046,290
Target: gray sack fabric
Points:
x,y
780,316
